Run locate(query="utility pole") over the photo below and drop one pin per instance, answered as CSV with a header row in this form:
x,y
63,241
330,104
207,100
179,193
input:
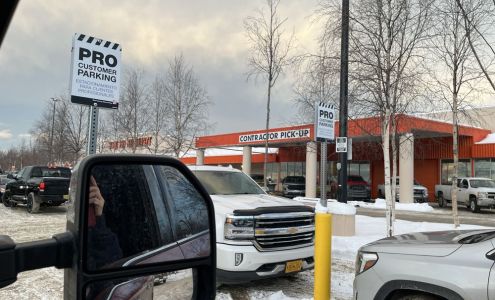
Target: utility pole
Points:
x,y
50,156
344,72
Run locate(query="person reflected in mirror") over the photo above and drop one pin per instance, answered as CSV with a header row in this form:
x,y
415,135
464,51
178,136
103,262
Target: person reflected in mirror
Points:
x,y
103,244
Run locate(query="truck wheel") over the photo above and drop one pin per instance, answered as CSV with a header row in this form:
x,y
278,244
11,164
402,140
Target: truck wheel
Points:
x,y
441,201
473,205
6,200
33,205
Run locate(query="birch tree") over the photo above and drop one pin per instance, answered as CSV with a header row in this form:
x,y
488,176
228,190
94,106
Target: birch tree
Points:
x,y
456,75
270,54
385,52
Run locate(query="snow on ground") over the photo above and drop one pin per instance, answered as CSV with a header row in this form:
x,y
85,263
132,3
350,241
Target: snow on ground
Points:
x,y
340,208
381,204
47,284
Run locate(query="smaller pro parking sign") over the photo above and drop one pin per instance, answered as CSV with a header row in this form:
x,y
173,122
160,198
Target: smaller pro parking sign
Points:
x,y
324,122
95,71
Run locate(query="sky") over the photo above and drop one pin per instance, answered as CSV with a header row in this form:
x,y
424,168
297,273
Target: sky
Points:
x,y
35,55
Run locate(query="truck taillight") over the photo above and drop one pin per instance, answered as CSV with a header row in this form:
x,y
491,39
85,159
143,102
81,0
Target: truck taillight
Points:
x,y
42,186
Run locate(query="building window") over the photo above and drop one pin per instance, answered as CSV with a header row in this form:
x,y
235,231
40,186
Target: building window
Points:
x,y
484,168
359,168
447,169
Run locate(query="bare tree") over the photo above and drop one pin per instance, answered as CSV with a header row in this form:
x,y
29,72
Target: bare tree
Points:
x,y
74,119
158,108
456,74
132,114
316,83
482,31
186,106
269,55
385,51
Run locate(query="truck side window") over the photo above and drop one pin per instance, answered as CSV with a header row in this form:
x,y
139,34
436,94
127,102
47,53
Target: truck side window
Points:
x,y
459,185
36,172
189,210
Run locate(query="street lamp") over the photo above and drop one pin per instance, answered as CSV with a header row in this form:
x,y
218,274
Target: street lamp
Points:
x,y
55,100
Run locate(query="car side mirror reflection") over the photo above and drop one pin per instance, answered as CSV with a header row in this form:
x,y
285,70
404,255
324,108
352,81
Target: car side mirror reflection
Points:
x,y
131,219
142,214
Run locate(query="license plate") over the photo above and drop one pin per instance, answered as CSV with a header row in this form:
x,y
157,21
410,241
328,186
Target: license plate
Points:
x,y
293,266
66,197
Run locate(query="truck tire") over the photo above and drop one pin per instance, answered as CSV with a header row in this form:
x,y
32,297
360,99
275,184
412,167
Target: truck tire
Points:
x,y
6,199
473,205
33,205
441,200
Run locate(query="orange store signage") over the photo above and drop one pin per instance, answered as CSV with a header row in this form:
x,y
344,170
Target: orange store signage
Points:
x,y
129,143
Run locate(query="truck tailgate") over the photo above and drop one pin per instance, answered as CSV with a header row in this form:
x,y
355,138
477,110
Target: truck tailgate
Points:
x,y
56,185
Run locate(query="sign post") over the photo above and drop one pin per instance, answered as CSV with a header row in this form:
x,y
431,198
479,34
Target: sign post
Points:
x,y
324,131
95,78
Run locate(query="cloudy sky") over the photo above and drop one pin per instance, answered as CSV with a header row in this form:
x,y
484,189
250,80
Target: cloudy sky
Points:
x,y
35,55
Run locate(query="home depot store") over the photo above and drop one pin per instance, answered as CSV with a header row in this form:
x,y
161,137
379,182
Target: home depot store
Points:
x,y
425,152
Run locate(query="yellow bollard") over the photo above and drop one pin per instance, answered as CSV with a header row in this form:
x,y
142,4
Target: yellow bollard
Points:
x,y
323,255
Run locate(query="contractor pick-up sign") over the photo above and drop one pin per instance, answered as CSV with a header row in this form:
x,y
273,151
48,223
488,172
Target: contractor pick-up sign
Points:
x,y
275,135
95,71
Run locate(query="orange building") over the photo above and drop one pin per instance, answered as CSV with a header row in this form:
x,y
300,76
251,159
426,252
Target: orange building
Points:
x,y
425,147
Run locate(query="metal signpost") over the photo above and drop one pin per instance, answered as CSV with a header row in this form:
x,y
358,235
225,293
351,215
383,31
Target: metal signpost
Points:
x,y
324,131
95,78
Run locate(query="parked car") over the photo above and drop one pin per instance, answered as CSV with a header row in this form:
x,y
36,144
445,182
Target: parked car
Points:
x,y
258,235
420,192
3,183
37,186
293,186
450,265
358,188
474,193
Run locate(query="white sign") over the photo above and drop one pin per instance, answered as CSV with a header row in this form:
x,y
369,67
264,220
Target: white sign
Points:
x,y
341,144
276,135
349,149
324,122
95,71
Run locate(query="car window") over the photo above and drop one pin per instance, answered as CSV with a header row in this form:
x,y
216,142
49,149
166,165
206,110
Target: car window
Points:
x,y
477,183
190,214
227,183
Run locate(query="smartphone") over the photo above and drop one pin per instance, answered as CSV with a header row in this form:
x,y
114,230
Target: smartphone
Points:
x,y
91,216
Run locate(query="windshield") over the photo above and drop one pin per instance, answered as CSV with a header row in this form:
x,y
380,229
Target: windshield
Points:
x,y
295,179
477,183
227,183
355,178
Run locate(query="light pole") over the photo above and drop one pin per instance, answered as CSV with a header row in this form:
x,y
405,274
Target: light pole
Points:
x,y
53,125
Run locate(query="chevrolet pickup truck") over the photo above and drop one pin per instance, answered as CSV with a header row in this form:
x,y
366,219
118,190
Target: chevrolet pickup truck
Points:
x,y
37,186
474,193
258,235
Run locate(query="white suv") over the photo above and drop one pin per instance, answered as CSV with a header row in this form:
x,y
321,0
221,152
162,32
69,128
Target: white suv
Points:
x,y
258,235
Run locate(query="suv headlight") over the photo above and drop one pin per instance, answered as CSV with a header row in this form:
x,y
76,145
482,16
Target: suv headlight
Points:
x,y
482,195
364,261
239,227
425,193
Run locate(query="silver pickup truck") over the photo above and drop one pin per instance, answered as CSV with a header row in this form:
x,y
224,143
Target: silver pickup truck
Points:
x,y
473,192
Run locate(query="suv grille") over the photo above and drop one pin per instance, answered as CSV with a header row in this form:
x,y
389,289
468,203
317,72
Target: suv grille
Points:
x,y
284,230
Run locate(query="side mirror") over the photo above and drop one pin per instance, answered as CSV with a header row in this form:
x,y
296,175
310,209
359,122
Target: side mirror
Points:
x,y
10,176
132,217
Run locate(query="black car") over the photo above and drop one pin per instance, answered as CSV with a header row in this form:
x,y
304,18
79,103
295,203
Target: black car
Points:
x,y
293,186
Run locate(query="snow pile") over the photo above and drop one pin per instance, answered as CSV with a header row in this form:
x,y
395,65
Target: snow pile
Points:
x,y
333,206
381,204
